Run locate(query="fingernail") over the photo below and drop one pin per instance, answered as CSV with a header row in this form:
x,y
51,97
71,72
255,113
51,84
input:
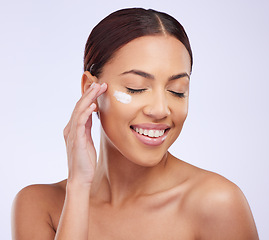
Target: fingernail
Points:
x,y
93,85
93,105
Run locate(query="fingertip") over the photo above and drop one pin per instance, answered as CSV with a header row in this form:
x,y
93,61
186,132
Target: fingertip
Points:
x,y
103,88
93,106
93,85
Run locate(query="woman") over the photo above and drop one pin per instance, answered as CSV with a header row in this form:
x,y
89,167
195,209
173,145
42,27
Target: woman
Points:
x,y
137,70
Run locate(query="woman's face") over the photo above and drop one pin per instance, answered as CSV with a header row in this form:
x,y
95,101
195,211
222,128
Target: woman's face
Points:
x,y
146,103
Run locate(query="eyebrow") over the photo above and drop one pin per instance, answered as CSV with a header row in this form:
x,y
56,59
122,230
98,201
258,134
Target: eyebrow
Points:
x,y
150,76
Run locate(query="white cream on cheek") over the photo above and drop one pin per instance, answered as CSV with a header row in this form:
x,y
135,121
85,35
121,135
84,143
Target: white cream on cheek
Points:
x,y
103,103
122,97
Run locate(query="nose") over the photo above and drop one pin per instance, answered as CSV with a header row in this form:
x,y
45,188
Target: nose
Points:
x,y
157,107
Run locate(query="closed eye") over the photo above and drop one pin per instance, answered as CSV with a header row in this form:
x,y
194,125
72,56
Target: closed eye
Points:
x,y
131,90
177,94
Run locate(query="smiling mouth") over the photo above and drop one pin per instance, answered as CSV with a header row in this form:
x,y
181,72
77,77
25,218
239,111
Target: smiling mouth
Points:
x,y
153,133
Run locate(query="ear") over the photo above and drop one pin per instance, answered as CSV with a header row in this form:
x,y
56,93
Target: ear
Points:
x,y
86,81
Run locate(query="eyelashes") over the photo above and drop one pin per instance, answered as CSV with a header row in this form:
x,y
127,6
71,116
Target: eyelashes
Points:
x,y
177,94
135,91
131,90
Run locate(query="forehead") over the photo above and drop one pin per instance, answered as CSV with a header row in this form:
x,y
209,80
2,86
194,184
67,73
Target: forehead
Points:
x,y
150,53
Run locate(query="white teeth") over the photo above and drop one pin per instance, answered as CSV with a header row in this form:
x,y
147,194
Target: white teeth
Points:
x,y
150,133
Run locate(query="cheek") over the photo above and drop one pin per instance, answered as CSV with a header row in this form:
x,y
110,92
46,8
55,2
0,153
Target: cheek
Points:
x,y
184,111
115,116
104,103
180,112
115,103
122,97
105,100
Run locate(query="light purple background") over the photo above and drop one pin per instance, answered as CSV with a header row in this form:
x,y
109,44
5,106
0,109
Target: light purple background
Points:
x,y
41,52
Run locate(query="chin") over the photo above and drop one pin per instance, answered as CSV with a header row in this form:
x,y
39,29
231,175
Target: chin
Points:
x,y
148,161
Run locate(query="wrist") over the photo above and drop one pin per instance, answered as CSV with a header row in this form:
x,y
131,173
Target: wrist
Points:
x,y
77,186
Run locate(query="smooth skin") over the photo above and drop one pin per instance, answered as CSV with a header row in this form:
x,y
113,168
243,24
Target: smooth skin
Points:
x,y
135,191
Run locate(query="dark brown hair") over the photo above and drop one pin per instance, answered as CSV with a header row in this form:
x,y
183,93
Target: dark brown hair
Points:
x,y
123,26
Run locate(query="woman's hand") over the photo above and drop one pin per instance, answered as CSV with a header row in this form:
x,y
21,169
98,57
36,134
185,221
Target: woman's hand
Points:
x,y
81,152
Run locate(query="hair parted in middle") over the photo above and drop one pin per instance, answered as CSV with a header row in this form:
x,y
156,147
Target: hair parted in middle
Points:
x,y
123,26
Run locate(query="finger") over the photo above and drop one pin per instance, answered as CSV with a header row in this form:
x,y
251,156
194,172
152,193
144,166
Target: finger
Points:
x,y
103,88
83,108
87,99
91,95
66,131
83,104
88,123
84,118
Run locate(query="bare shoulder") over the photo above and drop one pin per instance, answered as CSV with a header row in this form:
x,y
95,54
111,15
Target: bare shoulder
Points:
x,y
219,207
35,211
42,191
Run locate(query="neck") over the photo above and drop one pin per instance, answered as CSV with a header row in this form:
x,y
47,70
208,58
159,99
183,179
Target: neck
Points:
x,y
118,179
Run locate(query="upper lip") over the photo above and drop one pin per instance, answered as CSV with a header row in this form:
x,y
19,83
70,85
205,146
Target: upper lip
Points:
x,y
151,126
